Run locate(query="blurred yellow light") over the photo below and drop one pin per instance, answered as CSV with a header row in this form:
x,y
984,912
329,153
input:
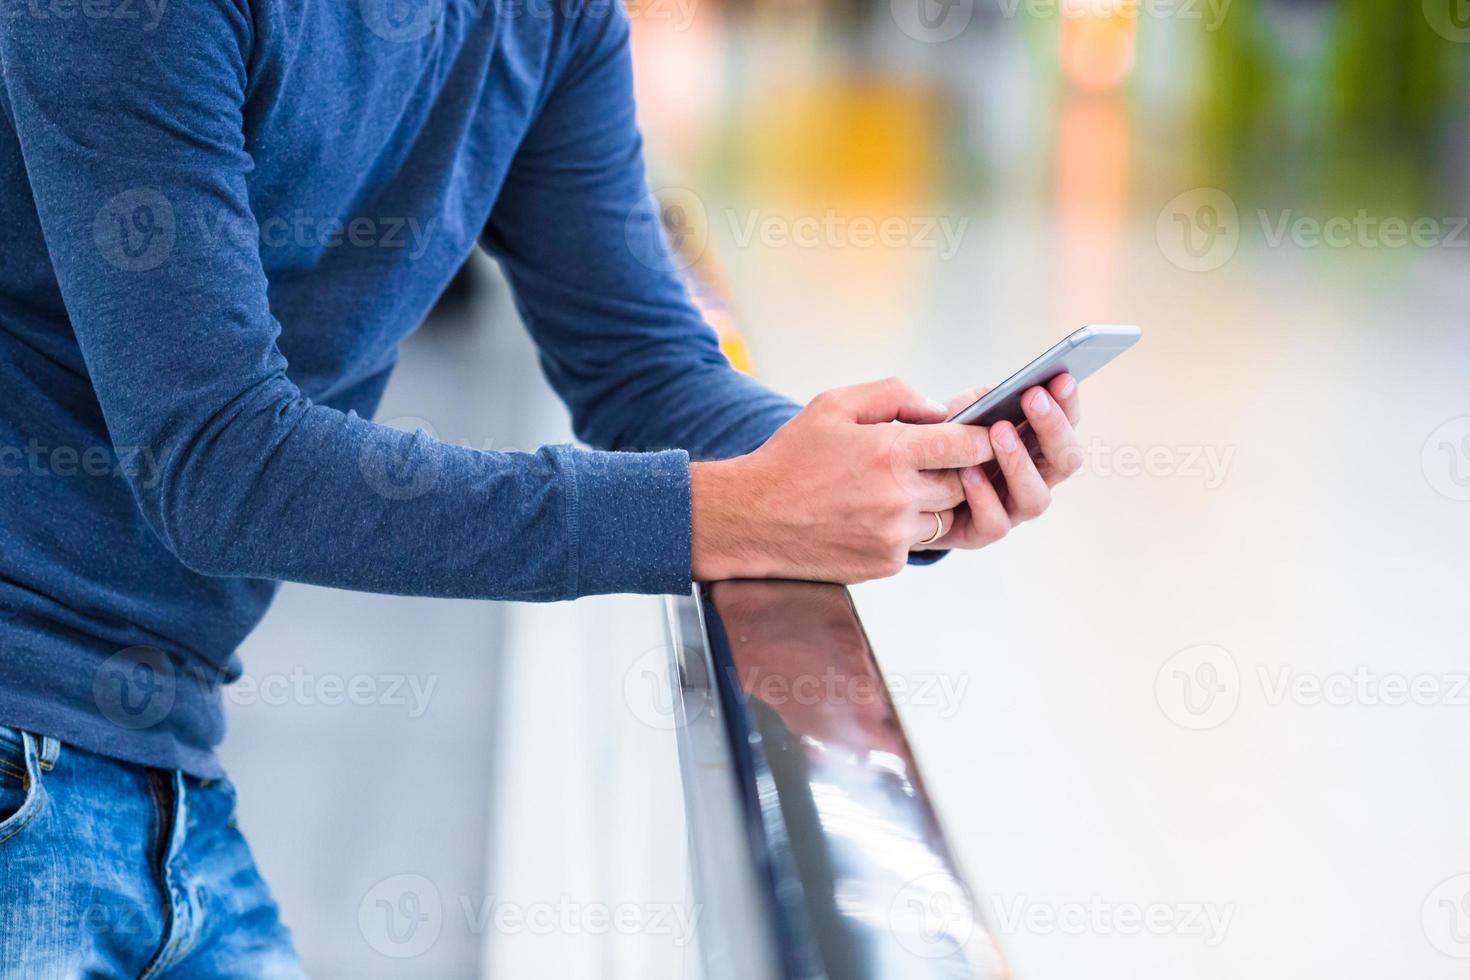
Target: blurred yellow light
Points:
x,y
1098,42
861,143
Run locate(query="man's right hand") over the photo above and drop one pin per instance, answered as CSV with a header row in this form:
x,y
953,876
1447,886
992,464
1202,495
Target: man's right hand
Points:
x,y
841,493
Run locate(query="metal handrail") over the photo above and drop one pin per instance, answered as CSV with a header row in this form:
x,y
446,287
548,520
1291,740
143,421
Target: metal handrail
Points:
x,y
815,849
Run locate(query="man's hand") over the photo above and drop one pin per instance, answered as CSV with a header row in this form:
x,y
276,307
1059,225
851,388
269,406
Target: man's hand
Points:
x,y
840,493
850,486
1016,487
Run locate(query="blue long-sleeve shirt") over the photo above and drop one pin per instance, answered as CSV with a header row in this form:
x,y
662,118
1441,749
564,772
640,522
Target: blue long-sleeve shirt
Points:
x,y
219,219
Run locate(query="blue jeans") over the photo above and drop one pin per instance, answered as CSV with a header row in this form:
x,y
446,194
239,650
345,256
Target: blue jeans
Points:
x,y
109,869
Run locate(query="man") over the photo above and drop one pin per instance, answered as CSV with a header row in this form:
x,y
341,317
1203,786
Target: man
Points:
x,y
220,217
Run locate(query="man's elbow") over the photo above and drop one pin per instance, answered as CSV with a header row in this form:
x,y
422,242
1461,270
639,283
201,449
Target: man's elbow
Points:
x,y
195,540
202,557
204,500
193,505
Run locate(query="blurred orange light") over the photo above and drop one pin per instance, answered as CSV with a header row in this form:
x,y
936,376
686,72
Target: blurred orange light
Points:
x,y
1092,189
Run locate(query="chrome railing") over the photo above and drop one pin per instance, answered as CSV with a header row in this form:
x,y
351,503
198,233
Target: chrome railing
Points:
x,y
814,848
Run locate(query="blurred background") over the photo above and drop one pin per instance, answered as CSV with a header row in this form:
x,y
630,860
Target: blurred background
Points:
x,y
1222,689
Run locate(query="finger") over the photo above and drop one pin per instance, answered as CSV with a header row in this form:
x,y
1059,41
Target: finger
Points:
x,y
989,521
942,446
1064,389
888,400
935,489
928,532
1054,435
1027,493
958,535
965,399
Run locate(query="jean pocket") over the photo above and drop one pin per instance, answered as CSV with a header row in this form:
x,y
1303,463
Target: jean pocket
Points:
x,y
21,793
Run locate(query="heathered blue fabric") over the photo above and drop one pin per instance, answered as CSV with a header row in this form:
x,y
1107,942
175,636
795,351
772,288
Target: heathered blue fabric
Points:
x,y
219,219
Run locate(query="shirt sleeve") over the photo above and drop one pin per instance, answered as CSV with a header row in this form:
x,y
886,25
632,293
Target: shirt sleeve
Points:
x,y
579,237
124,131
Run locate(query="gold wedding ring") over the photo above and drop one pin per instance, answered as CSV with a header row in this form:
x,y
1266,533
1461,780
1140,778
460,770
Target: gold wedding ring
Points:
x,y
938,529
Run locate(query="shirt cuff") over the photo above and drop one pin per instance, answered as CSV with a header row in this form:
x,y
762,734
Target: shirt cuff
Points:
x,y
629,521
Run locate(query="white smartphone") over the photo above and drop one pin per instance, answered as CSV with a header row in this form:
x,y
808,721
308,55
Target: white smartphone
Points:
x,y
1079,354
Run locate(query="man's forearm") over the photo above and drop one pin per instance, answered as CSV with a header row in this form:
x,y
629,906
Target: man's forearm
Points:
x,y
308,494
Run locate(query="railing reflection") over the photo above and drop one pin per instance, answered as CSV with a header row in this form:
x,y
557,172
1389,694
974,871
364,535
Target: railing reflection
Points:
x,y
845,870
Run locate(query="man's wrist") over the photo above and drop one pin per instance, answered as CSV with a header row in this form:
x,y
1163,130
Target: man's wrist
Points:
x,y
722,521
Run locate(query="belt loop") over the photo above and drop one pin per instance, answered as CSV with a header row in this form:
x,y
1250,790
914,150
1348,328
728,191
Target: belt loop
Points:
x,y
50,750
32,758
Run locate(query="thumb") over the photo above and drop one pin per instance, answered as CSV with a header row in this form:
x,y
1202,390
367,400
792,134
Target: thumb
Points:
x,y
889,400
